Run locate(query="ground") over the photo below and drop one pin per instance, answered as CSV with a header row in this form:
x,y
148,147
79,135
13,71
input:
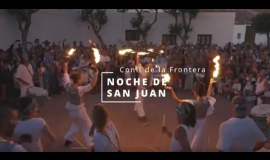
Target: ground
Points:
x,y
134,136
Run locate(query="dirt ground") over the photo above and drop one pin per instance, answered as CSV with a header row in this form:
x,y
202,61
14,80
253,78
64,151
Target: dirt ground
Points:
x,y
134,137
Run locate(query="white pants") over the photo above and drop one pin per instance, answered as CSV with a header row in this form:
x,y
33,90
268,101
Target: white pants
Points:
x,y
80,121
139,107
197,142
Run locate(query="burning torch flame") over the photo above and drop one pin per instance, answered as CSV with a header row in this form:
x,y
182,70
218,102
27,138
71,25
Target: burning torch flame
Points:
x,y
124,51
71,51
142,53
215,60
153,60
150,50
166,77
96,55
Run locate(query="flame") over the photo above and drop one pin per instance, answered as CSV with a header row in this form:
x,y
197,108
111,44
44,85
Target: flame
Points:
x,y
142,53
71,51
161,51
215,60
153,60
124,51
150,50
96,55
166,77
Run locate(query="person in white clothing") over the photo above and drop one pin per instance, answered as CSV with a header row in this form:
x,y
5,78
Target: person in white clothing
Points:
x,y
181,138
8,122
106,138
139,106
240,133
30,124
76,107
262,85
24,75
204,106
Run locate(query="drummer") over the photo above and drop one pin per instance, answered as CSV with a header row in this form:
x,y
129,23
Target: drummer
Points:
x,y
24,75
76,106
240,133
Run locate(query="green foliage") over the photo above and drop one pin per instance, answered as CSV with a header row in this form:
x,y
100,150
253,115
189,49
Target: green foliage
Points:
x,y
182,28
261,23
139,23
95,17
23,16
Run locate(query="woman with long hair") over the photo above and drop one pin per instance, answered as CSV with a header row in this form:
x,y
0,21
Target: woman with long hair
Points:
x,y
76,106
204,107
106,138
30,124
181,138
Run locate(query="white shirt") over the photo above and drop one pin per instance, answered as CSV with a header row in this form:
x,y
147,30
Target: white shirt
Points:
x,y
18,148
175,144
76,110
104,58
34,127
236,86
239,135
107,144
147,60
27,76
84,63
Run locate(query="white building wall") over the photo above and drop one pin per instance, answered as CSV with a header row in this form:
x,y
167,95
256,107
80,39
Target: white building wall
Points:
x,y
56,25
259,38
239,29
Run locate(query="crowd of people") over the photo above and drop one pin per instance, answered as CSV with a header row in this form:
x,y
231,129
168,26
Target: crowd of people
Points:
x,y
243,75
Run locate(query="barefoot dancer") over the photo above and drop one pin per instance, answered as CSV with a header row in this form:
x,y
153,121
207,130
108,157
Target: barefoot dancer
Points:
x,y
204,107
76,106
139,106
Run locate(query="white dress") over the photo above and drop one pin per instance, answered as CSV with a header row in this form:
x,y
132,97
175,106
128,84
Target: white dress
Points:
x,y
175,145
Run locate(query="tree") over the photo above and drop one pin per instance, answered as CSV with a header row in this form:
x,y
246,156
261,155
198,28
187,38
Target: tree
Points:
x,y
261,24
140,24
24,19
183,28
97,18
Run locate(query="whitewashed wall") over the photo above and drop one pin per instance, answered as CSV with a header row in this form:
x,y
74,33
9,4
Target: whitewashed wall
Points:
x,y
259,38
55,25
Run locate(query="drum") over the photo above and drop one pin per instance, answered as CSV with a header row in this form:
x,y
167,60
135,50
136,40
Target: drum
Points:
x,y
39,94
259,114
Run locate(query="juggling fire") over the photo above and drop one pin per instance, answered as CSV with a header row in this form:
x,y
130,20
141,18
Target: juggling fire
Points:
x,y
166,77
96,55
216,71
71,51
142,53
150,50
124,51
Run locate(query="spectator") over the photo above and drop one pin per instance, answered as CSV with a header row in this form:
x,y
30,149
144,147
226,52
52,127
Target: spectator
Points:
x,y
24,75
106,138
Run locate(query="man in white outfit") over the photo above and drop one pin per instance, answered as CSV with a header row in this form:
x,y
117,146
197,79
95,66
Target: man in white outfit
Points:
x,y
139,106
24,75
240,133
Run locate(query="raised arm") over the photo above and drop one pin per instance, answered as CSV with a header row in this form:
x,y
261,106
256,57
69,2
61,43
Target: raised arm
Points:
x,y
66,79
209,90
174,95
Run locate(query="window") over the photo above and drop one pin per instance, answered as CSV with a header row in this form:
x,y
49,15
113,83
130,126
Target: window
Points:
x,y
132,35
204,39
168,39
